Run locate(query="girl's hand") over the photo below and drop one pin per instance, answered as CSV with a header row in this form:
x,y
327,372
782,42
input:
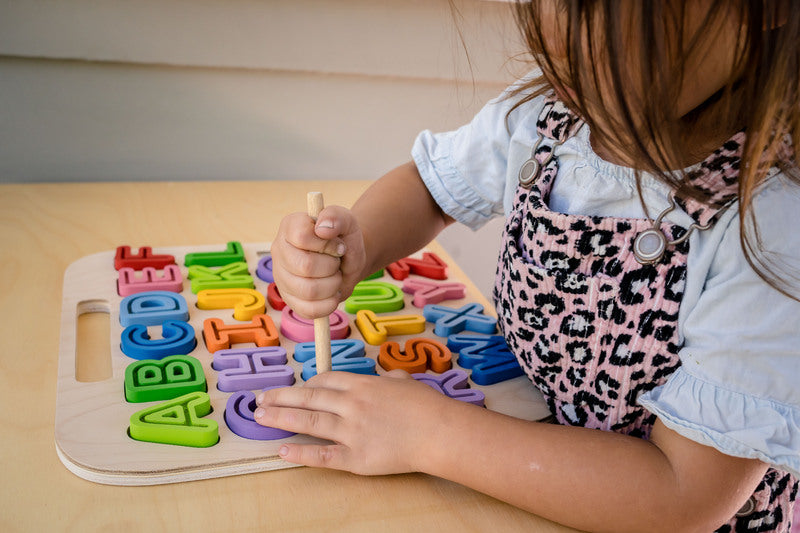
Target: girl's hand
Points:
x,y
378,425
317,265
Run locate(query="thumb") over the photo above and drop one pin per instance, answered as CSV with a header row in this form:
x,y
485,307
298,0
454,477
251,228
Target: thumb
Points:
x,y
339,226
334,224
335,221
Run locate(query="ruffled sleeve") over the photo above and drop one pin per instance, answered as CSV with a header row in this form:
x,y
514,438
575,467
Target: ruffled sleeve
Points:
x,y
738,388
466,170
736,423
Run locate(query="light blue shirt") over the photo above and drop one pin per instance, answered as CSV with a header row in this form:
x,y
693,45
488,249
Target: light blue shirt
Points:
x,y
738,388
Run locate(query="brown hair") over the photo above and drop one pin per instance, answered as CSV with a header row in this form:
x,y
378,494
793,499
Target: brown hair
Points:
x,y
635,109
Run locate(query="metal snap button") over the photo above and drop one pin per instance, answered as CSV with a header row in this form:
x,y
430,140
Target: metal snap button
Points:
x,y
529,172
748,507
649,246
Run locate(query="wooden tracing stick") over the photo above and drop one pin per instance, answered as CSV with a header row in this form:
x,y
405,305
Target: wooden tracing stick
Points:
x,y
322,325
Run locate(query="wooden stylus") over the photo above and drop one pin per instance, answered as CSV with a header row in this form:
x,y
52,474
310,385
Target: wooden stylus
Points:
x,y
322,326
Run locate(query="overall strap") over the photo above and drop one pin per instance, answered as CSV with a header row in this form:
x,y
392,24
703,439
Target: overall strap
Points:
x,y
717,175
556,121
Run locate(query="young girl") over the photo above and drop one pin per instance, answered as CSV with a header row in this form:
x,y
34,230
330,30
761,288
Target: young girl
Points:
x,y
652,303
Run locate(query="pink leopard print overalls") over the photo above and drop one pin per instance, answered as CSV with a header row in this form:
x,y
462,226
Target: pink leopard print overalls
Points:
x,y
591,326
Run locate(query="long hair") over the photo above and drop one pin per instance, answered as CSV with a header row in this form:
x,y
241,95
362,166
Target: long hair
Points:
x,y
621,65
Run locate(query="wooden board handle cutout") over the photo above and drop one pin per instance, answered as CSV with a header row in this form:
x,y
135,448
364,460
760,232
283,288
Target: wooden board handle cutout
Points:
x,y
322,327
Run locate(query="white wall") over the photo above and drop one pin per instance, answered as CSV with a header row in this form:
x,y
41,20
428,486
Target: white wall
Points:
x,y
237,89
86,121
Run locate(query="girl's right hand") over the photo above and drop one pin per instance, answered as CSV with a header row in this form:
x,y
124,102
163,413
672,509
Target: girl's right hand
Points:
x,y
316,266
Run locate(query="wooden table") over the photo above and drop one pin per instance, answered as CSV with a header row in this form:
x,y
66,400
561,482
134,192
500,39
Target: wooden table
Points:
x,y
43,228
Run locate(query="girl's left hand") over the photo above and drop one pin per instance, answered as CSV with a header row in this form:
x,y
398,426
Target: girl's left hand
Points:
x,y
378,424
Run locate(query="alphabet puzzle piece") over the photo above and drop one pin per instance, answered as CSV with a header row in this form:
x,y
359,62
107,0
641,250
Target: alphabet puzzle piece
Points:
x,y
178,421
233,253
378,296
264,269
453,384
419,355
231,276
153,380
430,292
220,336
152,308
488,356
274,297
376,329
252,368
347,355
144,258
177,339
246,303
375,275
299,329
449,321
170,280
239,418
430,266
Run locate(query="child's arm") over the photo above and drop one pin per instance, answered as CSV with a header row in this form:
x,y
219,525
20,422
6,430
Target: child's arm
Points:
x,y
316,267
589,479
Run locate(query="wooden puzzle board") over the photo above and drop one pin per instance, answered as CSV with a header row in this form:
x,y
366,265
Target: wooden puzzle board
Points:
x,y
92,418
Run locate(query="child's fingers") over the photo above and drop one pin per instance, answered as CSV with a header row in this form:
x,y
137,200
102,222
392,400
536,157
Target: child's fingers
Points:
x,y
339,224
330,456
308,282
320,424
335,221
311,411
298,231
302,263
334,248
307,397
311,298
311,309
